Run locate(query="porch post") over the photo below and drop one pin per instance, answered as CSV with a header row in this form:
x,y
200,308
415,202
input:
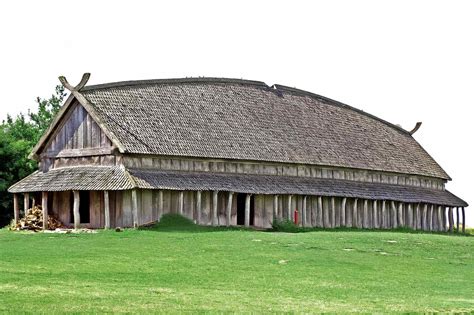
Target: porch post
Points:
x,y
394,215
457,219
275,207
135,208
181,202
26,202
400,214
106,210
343,212
229,208
355,219
384,214
247,210
160,204
303,212
365,223
333,213
463,221
16,209
289,208
77,217
198,206
44,205
451,219
214,207
424,218
375,214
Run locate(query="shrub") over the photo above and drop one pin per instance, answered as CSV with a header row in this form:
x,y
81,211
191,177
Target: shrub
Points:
x,y
285,225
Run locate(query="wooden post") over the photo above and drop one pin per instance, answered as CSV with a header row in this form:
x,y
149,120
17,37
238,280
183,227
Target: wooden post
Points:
x,y
365,223
333,213
319,213
424,218
26,202
229,208
135,208
275,207
400,215
430,218
445,219
198,207
355,219
44,205
214,208
409,220
376,217
247,210
16,209
457,219
181,202
394,215
440,219
77,217
160,204
326,219
106,210
303,214
451,219
343,212
384,215
290,212
418,216
463,221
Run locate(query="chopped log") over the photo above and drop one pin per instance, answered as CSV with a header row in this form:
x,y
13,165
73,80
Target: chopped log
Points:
x,y
106,210
76,214
44,205
229,208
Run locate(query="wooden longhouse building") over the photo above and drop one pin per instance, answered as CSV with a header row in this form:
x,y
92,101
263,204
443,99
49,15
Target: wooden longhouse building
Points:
x,y
231,152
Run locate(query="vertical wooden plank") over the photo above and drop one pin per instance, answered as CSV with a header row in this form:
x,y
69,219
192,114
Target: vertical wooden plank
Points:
x,y
135,208
423,217
26,202
181,202
160,204
400,215
326,214
451,219
146,206
106,210
355,220
409,223
365,223
457,220
463,221
247,210
430,218
229,207
394,215
343,212
440,218
334,222
198,207
214,207
269,203
16,208
275,207
77,218
319,212
375,215
384,215
303,210
44,206
290,206
259,210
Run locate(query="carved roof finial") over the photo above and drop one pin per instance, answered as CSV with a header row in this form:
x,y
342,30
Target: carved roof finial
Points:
x,y
85,78
417,126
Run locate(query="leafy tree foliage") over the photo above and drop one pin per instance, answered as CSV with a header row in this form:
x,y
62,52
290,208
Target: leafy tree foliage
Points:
x,y
17,138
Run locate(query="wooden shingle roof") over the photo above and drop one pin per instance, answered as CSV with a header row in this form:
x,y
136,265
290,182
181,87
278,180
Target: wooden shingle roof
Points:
x,y
248,120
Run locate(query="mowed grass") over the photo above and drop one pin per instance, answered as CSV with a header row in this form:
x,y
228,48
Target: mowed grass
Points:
x,y
177,267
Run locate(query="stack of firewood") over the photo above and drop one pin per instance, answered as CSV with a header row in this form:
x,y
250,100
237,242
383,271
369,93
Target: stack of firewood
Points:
x,y
33,221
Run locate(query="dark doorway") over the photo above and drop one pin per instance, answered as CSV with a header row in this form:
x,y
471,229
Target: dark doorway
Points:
x,y
241,209
84,202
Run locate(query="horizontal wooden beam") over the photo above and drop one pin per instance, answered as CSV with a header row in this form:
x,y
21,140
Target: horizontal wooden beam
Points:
x,y
78,152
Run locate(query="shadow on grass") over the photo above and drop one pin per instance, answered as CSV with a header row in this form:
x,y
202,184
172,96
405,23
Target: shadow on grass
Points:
x,y
178,223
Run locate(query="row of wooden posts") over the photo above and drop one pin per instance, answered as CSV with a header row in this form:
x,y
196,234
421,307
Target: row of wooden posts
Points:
x,y
418,218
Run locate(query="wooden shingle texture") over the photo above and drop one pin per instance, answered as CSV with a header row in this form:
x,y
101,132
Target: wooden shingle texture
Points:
x,y
248,120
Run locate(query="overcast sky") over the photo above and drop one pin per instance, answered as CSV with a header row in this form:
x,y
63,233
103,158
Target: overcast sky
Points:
x,y
404,61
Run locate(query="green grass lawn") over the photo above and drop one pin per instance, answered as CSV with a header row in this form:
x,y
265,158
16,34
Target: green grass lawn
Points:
x,y
187,268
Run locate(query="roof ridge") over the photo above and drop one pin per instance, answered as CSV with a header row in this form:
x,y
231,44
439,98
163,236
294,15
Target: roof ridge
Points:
x,y
331,101
173,81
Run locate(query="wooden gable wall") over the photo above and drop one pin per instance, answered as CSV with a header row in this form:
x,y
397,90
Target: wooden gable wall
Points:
x,y
77,136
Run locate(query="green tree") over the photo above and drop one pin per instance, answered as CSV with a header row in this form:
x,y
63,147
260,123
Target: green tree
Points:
x,y
17,138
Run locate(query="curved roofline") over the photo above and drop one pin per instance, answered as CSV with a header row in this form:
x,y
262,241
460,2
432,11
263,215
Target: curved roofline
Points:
x,y
278,87
173,81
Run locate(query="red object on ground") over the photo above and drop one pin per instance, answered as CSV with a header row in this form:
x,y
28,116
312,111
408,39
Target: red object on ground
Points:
x,y
296,216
